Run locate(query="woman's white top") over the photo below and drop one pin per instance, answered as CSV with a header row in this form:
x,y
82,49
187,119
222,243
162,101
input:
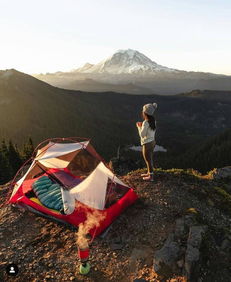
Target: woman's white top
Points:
x,y
146,133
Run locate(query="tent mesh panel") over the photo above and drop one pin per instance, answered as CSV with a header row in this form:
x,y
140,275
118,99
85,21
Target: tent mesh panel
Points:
x,y
83,163
114,192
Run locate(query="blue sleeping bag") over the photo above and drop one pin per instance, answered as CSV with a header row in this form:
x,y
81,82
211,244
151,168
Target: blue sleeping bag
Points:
x,y
48,193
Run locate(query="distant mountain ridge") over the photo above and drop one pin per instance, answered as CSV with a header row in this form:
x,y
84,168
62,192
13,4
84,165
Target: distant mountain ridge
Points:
x,y
126,67
30,107
209,94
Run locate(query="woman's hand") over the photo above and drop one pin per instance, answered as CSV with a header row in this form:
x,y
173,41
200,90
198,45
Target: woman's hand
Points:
x,y
139,124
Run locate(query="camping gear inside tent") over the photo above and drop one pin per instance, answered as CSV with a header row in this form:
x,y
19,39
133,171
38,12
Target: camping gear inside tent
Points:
x,y
66,180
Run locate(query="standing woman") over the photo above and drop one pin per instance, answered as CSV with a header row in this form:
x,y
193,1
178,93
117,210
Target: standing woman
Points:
x,y
147,130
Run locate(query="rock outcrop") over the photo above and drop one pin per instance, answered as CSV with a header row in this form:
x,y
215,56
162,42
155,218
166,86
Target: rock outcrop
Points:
x,y
181,251
220,173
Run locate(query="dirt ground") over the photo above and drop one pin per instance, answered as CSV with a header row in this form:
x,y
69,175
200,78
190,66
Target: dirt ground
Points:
x,y
47,251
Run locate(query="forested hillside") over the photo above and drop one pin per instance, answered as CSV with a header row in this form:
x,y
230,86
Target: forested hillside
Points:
x,y
213,153
11,158
30,107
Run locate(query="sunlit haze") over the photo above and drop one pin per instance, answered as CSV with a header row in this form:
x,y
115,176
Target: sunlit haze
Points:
x,y
61,35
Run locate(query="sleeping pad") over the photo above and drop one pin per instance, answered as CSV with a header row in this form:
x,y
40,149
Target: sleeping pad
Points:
x,y
49,193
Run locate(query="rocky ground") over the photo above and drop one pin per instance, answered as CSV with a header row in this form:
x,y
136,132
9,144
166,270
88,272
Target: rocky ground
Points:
x,y
134,244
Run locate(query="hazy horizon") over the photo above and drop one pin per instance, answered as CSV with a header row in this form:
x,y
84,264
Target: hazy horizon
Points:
x,y
57,35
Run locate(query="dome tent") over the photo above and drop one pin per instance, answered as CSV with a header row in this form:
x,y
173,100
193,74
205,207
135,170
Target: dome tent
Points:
x,y
66,180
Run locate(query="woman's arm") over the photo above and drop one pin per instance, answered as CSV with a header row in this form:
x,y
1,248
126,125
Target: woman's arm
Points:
x,y
143,129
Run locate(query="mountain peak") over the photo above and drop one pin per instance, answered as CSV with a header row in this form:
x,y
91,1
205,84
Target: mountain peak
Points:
x,y
125,61
129,52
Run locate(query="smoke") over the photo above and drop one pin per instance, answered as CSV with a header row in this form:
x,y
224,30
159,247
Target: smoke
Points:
x,y
93,220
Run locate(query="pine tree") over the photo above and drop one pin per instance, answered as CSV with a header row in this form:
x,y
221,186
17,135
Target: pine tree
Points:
x,y
4,149
28,149
14,158
4,163
2,174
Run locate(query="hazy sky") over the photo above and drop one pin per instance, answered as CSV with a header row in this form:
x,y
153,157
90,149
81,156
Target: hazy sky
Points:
x,y
50,35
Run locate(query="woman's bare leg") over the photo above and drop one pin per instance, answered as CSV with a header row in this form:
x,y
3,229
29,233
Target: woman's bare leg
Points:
x,y
148,156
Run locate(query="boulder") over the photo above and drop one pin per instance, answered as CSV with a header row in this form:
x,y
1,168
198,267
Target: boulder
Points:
x,y
190,220
192,255
166,258
180,227
195,235
220,173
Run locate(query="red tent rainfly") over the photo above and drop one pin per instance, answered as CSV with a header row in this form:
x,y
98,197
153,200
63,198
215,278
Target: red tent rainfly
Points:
x,y
68,179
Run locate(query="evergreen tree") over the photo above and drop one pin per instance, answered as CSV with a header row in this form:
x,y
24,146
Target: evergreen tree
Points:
x,y
28,149
4,149
13,158
2,174
5,172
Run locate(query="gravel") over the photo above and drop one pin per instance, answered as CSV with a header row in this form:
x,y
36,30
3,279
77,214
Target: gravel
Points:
x,y
47,251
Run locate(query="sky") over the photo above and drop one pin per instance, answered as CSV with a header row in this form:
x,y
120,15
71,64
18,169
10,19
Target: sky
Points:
x,y
61,35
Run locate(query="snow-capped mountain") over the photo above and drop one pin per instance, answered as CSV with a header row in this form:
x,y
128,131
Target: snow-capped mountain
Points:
x,y
125,62
129,71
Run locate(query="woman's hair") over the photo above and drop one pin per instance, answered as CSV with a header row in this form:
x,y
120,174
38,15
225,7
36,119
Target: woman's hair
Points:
x,y
151,121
